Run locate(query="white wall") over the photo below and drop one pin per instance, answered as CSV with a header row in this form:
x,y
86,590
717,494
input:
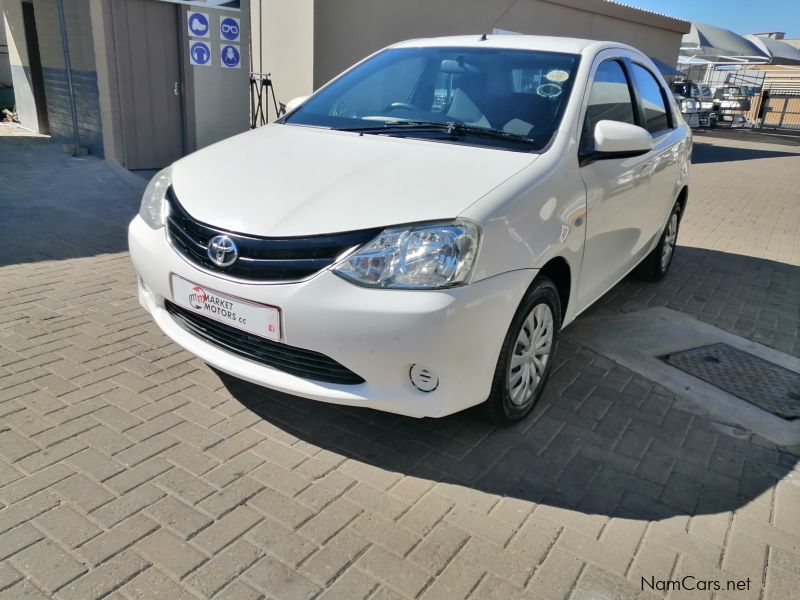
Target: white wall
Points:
x,y
286,28
18,61
5,65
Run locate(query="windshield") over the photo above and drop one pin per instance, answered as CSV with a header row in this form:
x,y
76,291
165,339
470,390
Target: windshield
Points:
x,y
520,93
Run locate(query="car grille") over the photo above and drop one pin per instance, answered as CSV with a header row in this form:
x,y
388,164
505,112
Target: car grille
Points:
x,y
295,361
260,258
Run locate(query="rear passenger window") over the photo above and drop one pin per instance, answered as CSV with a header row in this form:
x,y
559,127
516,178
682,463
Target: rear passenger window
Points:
x,y
655,109
609,98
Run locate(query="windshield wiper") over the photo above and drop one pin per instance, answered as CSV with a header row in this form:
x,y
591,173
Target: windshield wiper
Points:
x,y
452,128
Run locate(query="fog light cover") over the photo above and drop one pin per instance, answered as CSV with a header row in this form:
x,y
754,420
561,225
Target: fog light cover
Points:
x,y
423,379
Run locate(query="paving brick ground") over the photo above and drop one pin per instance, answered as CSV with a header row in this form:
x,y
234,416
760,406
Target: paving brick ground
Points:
x,y
130,470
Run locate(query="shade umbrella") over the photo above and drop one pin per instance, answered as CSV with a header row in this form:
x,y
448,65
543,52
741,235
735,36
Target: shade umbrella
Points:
x,y
780,53
720,45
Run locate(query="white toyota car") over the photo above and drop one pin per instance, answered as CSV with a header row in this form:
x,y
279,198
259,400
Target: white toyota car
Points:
x,y
413,236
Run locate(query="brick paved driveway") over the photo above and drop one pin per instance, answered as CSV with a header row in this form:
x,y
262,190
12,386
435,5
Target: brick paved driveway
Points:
x,y
128,469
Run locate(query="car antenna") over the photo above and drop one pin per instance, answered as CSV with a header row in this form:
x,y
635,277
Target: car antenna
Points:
x,y
497,20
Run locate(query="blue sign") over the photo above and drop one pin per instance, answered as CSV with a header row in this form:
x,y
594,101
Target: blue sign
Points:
x,y
198,24
199,53
230,57
229,28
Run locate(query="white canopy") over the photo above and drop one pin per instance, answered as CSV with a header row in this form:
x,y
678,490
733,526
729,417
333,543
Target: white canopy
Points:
x,y
780,53
706,44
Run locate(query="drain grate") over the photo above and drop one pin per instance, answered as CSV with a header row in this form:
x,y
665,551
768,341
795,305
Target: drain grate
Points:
x,y
758,381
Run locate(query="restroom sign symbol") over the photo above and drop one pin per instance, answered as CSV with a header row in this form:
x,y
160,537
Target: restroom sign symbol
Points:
x,y
199,54
229,29
198,24
230,57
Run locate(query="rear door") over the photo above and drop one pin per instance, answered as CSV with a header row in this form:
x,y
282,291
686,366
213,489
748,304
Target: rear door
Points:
x,y
665,160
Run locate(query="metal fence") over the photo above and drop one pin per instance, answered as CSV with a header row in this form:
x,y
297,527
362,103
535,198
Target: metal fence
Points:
x,y
770,97
778,109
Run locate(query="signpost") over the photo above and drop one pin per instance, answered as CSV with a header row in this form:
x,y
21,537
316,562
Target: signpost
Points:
x,y
198,24
229,29
230,57
199,54
230,34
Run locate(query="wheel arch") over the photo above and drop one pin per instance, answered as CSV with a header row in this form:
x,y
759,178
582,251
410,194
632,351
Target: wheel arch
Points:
x,y
557,269
683,198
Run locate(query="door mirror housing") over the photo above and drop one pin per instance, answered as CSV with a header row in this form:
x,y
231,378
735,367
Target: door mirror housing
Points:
x,y
295,103
615,139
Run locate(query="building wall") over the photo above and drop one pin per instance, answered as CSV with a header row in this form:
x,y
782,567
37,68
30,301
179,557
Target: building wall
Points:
x,y
347,30
286,30
84,73
19,65
5,64
107,88
218,99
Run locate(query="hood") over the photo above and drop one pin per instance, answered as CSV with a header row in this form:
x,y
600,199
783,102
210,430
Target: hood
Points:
x,y
288,180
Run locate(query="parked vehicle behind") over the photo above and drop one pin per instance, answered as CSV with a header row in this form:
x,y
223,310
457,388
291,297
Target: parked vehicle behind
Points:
x,y
732,104
415,235
696,103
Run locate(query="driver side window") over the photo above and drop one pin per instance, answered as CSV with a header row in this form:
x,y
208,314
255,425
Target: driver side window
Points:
x,y
609,99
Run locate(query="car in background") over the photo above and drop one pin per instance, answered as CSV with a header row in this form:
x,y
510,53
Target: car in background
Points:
x,y
687,95
732,104
414,236
696,103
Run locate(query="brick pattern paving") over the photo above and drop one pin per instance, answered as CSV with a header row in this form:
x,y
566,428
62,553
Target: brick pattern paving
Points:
x,y
128,469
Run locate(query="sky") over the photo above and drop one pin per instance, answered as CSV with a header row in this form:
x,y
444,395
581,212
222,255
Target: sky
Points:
x,y
741,16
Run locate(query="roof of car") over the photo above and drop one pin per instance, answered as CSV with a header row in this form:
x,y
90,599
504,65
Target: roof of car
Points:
x,y
518,42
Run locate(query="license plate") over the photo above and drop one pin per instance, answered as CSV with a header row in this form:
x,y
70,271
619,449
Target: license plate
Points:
x,y
258,319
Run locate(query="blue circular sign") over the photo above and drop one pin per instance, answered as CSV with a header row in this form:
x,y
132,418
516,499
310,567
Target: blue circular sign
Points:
x,y
229,29
200,53
230,56
198,25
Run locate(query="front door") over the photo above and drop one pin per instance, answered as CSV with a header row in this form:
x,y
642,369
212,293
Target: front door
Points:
x,y
616,190
147,41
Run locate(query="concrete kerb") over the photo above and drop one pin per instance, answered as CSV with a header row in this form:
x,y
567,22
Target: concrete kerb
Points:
x,y
638,340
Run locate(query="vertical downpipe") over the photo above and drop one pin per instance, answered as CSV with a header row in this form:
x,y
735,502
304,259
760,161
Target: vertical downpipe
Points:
x,y
62,24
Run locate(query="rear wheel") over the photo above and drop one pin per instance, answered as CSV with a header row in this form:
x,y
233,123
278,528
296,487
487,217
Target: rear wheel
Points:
x,y
526,357
656,264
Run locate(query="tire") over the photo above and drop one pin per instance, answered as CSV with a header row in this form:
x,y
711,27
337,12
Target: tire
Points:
x,y
540,312
656,265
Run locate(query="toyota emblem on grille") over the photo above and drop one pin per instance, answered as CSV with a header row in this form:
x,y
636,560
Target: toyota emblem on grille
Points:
x,y
222,251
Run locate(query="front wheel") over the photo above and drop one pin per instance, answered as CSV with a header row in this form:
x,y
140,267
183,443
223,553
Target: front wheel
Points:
x,y
526,357
656,264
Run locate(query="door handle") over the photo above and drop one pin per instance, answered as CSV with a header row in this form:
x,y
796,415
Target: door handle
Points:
x,y
176,89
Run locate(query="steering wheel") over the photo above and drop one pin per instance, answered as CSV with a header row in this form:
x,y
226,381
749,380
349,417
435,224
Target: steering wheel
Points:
x,y
401,106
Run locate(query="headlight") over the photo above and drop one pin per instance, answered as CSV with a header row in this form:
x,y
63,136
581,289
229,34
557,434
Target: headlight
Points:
x,y
153,208
422,257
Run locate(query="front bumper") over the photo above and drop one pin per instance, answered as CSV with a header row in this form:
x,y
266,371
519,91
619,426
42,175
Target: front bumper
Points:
x,y
378,334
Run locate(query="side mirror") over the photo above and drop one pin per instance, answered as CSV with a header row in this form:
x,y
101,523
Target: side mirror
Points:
x,y
615,139
295,103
